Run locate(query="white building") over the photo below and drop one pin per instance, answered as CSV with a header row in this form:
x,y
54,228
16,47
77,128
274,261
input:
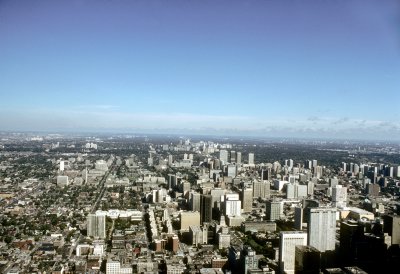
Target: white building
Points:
x,y
251,158
339,196
322,228
287,248
232,204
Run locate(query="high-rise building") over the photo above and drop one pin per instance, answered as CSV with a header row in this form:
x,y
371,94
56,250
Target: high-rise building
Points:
x,y
287,249
170,160
206,205
239,158
61,165
233,156
307,260
391,225
339,196
223,156
231,170
171,181
251,158
232,204
248,259
247,199
96,225
322,228
266,174
273,210
261,189
195,201
189,218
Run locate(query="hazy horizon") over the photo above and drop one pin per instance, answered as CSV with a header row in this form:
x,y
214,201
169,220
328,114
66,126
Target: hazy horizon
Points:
x,y
315,69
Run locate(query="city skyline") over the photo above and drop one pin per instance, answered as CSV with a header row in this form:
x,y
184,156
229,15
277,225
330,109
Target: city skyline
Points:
x,y
324,69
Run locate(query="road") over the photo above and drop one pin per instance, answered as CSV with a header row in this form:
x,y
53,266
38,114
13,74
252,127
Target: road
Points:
x,y
93,209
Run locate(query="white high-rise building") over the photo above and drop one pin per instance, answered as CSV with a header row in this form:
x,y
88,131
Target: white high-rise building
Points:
x,y
61,165
223,156
287,247
232,204
261,189
96,225
238,157
339,196
232,170
322,228
251,158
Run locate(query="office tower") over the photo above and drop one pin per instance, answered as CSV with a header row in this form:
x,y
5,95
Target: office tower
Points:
x,y
233,156
189,218
318,171
307,260
389,171
197,235
261,189
397,171
273,210
61,165
170,159
115,267
96,225
206,205
194,201
333,182
350,234
314,163
232,204
287,249
251,158
231,170
391,225
247,199
266,174
310,188
295,191
224,238
248,259
373,189
322,228
298,218
339,196
238,157
356,169
308,164
223,156
185,187
171,181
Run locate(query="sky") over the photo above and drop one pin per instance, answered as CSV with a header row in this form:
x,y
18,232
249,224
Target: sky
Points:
x,y
288,68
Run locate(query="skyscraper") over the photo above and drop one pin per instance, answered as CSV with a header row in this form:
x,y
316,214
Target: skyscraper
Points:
x,y
206,208
232,204
223,156
233,156
339,196
261,189
195,199
248,259
96,225
251,158
287,249
273,210
322,228
247,199
239,158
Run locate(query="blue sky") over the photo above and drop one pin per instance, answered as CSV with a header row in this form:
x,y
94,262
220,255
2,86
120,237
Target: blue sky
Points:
x,y
270,68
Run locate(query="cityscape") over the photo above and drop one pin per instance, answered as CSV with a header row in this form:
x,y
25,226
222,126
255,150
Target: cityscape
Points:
x,y
199,137
175,204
